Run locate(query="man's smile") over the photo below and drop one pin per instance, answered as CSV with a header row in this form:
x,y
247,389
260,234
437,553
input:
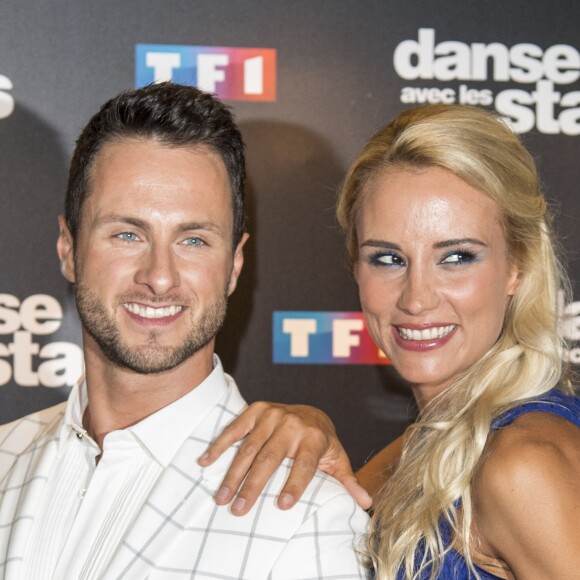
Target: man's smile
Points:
x,y
150,312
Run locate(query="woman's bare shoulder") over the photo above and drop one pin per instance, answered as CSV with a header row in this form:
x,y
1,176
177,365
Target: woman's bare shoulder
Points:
x,y
533,441
375,472
526,496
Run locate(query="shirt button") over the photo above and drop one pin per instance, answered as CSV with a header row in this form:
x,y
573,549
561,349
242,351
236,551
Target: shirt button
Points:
x,y
82,493
80,435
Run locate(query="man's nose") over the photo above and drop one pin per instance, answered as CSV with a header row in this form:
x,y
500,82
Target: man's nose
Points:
x,y
158,270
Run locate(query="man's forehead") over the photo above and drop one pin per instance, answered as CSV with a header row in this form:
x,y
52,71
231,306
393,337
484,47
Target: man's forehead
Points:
x,y
135,177
113,146
124,154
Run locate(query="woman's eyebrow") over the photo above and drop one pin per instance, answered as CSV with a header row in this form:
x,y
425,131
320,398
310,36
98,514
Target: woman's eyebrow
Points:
x,y
380,244
458,242
437,245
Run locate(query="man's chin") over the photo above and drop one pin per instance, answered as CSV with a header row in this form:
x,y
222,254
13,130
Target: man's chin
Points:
x,y
148,360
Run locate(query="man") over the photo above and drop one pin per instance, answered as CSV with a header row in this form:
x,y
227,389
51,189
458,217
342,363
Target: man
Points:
x,y
106,485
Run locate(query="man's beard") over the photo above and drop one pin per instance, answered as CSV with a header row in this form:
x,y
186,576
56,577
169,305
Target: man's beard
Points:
x,y
150,357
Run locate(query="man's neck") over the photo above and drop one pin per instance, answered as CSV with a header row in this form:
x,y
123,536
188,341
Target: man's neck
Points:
x,y
119,397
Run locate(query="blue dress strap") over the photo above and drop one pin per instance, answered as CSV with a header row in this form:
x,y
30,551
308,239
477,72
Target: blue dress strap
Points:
x,y
554,401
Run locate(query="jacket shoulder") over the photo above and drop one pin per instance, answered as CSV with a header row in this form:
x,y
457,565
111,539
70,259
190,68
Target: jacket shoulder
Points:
x,y
16,437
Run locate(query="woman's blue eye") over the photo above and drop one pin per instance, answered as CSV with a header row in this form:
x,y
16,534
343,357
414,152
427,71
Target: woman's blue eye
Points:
x,y
127,236
381,259
458,258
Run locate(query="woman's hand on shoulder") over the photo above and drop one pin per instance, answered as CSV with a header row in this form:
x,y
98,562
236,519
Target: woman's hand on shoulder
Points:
x,y
271,433
526,494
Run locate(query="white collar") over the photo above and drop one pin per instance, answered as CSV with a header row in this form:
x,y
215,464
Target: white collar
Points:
x,y
165,431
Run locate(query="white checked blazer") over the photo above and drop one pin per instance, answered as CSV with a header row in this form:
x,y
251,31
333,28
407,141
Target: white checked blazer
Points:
x,y
180,532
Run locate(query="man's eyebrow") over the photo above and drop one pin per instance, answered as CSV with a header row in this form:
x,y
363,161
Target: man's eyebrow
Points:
x,y
142,224
207,226
123,219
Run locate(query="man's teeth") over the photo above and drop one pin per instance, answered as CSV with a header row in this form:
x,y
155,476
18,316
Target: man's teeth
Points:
x,y
148,312
426,333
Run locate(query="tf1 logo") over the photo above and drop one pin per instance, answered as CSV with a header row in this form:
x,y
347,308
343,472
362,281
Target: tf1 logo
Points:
x,y
6,100
324,338
239,74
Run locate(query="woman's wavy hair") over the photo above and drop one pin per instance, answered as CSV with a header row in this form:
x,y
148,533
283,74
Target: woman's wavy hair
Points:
x,y
443,448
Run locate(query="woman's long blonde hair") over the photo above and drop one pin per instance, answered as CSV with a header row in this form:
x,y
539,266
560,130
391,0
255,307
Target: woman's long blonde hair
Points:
x,y
443,449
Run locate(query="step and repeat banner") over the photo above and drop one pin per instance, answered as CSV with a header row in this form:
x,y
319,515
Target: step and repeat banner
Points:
x,y
309,81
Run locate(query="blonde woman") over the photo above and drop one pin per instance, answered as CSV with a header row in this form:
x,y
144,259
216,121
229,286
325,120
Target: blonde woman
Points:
x,y
450,243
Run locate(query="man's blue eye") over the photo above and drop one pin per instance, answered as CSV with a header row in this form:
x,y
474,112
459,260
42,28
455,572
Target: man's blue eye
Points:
x,y
193,241
127,236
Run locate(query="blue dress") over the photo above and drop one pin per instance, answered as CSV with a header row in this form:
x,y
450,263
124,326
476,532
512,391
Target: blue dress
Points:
x,y
454,566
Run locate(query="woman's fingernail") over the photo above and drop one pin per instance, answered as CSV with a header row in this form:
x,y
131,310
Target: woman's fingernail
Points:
x,y
222,493
239,504
203,458
286,500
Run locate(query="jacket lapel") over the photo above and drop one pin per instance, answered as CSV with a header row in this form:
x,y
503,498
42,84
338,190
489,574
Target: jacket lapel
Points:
x,y
182,498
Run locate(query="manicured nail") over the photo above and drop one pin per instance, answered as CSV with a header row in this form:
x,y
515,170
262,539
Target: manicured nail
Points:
x,y
222,493
239,504
286,500
203,458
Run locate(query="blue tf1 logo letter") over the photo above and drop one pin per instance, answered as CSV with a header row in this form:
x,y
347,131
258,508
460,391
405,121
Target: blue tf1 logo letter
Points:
x,y
240,74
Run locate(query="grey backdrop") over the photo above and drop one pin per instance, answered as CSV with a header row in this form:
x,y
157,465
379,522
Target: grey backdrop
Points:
x,y
336,84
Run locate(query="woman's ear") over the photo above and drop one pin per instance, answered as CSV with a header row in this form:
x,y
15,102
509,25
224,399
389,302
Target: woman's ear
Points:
x,y
355,270
514,280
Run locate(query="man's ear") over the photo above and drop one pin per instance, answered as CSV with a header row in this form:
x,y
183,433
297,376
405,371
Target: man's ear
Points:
x,y
238,263
65,250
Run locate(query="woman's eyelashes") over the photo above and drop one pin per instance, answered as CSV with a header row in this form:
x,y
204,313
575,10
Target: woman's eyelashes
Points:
x,y
386,259
456,257
459,257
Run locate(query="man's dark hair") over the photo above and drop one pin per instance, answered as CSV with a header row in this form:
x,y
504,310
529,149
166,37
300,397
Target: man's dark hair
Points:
x,y
176,115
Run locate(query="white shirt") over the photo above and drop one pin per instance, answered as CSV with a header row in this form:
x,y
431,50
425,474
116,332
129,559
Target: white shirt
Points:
x,y
86,509
148,509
